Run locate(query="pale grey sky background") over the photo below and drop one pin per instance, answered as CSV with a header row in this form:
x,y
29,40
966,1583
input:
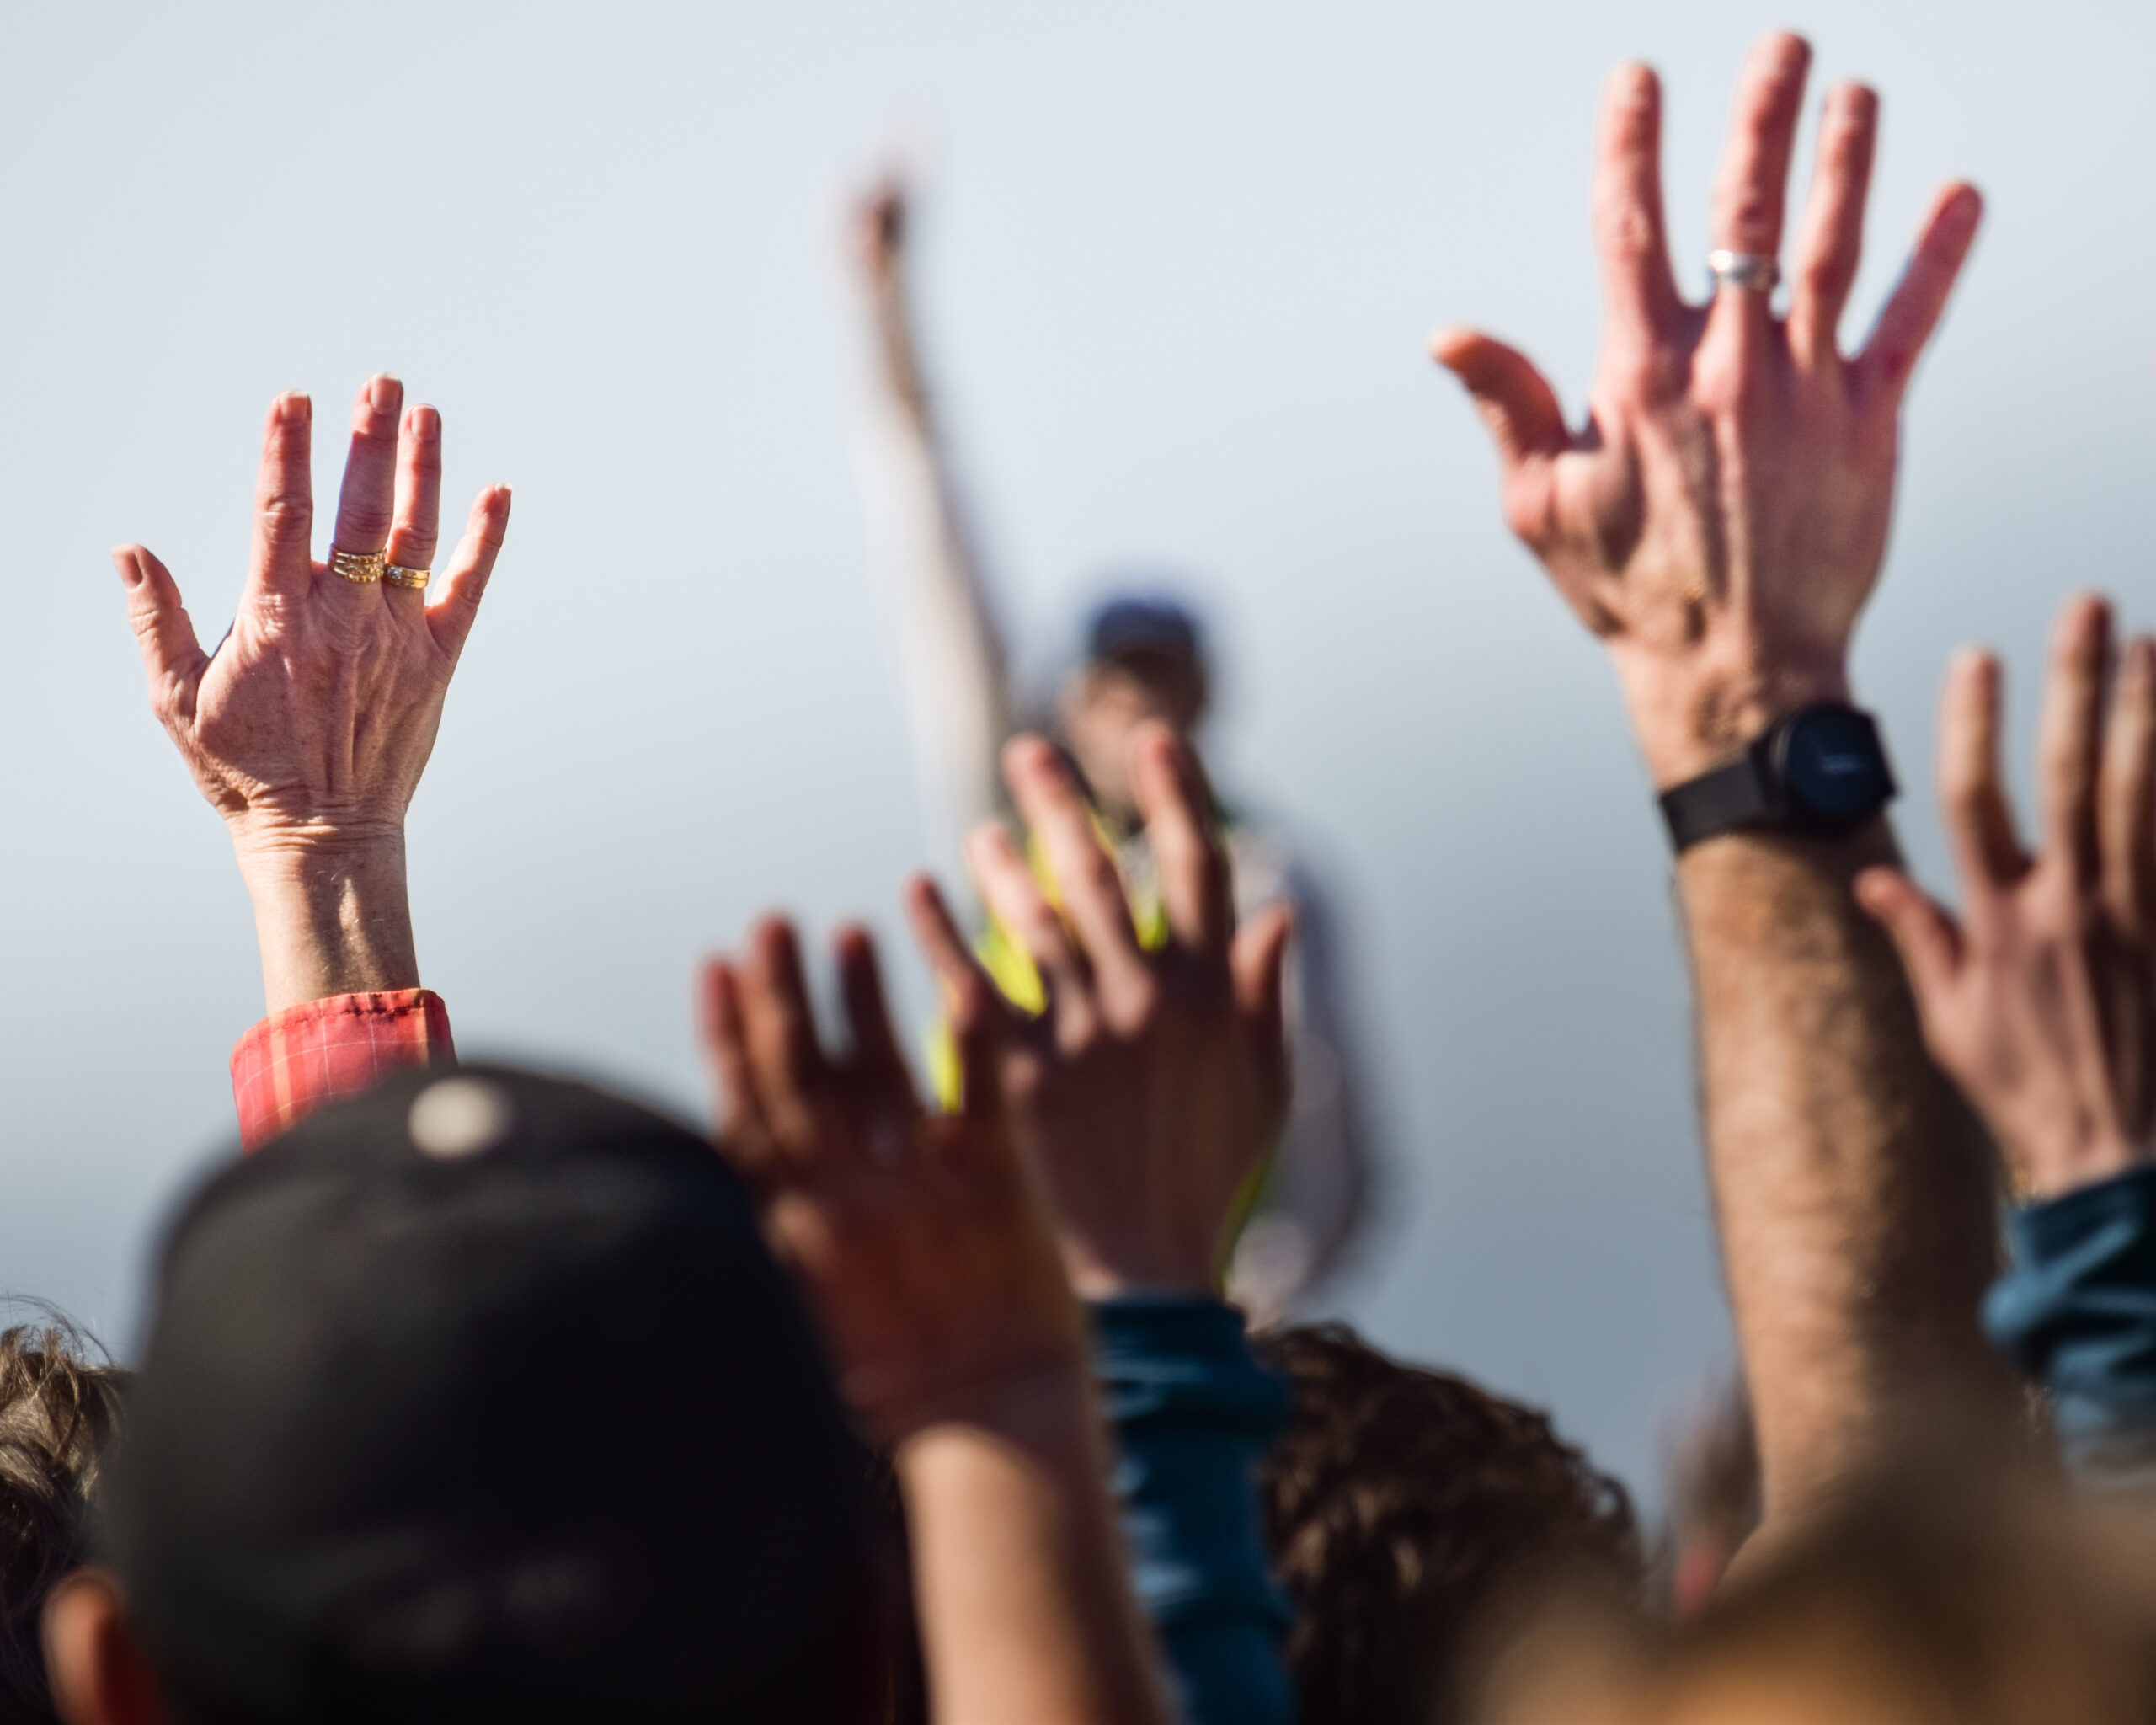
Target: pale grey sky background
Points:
x,y
1180,261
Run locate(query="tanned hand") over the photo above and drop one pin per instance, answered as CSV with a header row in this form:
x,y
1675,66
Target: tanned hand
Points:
x,y
2040,998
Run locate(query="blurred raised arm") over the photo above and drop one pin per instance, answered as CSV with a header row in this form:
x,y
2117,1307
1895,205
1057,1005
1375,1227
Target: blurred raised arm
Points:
x,y
1719,521
308,726
954,658
922,1245
2039,999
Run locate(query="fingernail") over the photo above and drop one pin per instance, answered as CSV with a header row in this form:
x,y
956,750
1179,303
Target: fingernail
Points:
x,y
294,407
131,571
382,394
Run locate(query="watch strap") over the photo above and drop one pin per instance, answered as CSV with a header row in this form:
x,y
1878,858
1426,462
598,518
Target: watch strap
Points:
x,y
1732,795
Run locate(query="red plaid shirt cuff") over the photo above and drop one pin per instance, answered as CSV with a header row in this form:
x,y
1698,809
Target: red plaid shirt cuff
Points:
x,y
295,1061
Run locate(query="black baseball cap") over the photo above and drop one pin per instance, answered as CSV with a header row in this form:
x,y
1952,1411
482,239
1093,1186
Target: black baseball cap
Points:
x,y
480,1397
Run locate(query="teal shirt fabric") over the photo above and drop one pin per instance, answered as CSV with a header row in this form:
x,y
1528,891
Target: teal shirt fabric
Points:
x,y
2076,1313
1193,1412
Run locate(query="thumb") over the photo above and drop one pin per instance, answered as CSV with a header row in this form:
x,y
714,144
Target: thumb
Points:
x,y
171,656
1924,934
1516,400
1525,421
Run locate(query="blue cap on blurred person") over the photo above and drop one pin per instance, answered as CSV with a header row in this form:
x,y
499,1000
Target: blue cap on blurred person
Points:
x,y
1145,625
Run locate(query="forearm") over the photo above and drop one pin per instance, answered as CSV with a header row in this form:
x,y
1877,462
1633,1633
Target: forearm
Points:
x,y
1019,1578
1855,1193
331,918
952,656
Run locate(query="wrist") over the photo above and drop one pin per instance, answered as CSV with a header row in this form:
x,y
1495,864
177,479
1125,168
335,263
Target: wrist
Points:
x,y
2052,1169
1689,718
332,911
1022,1406
1096,1275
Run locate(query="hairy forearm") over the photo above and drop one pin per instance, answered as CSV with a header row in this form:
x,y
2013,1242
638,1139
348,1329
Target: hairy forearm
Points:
x,y
1019,1576
1855,1193
331,918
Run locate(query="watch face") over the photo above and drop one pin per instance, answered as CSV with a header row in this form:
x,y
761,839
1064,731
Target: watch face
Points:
x,y
1831,764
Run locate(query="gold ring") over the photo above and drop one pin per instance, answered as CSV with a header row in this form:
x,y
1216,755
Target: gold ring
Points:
x,y
399,576
365,567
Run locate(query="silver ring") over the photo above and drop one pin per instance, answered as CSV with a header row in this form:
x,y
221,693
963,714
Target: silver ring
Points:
x,y
1743,270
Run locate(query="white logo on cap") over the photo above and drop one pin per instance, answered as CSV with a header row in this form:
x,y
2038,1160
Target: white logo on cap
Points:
x,y
460,1117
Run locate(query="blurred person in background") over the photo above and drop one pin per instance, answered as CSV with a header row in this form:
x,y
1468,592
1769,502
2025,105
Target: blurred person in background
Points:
x,y
1415,1519
1144,659
1929,1593
59,1417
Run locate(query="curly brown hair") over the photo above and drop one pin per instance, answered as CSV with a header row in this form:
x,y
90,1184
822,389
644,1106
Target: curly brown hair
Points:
x,y
59,1411
1399,1504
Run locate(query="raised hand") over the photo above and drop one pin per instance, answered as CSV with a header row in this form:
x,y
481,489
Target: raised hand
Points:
x,y
1720,517
1719,521
1153,1083
309,726
917,1234
2039,999
921,1245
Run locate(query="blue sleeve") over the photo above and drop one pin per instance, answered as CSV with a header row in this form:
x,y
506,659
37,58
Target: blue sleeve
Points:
x,y
2077,1312
1193,1412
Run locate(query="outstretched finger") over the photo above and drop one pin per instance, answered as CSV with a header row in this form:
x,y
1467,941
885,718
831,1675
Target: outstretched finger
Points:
x,y
1924,934
2069,729
366,503
171,656
936,932
791,1075
1630,236
416,528
876,1063
1830,244
1986,852
742,1134
282,563
1172,796
1752,185
977,1016
2128,816
1086,879
1913,310
463,584
1015,899
1259,966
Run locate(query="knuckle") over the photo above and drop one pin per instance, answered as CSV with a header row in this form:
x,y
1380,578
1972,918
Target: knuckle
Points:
x,y
286,517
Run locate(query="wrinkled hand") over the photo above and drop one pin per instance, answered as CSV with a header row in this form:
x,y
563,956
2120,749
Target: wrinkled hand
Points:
x,y
917,1235
1153,1083
309,728
1721,518
2041,999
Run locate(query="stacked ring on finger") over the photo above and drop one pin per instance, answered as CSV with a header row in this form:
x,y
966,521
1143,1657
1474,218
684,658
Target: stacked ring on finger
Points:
x,y
1743,270
398,575
365,567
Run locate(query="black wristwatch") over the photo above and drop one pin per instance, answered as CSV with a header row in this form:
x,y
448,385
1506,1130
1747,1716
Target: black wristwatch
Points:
x,y
1821,769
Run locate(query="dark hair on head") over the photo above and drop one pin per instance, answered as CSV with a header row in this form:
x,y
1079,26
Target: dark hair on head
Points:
x,y
1399,1504
59,1412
